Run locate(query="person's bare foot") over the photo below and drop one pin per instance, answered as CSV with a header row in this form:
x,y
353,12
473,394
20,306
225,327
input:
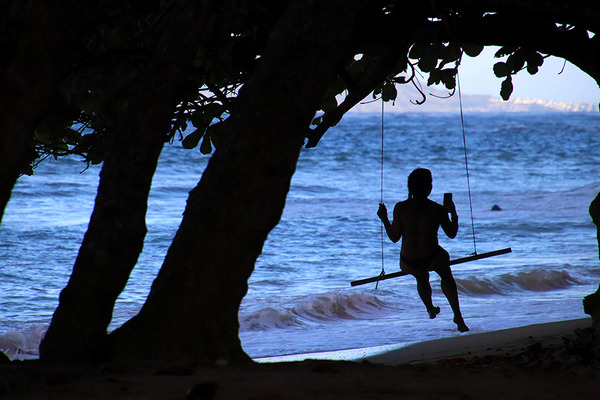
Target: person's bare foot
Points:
x,y
433,312
460,324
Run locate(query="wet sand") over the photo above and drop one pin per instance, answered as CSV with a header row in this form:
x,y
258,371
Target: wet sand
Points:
x,y
541,361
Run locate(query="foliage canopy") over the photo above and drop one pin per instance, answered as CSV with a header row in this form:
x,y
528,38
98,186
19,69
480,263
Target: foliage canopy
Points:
x,y
399,45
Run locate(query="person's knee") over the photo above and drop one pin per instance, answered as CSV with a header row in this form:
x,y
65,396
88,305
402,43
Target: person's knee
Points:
x,y
442,264
444,272
421,276
444,256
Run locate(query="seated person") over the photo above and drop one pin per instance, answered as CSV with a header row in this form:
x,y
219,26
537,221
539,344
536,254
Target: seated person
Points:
x,y
417,220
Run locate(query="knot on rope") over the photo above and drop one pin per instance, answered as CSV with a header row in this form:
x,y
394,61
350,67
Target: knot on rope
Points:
x,y
381,275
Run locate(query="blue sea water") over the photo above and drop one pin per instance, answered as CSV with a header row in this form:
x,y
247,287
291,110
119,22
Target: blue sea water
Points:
x,y
542,170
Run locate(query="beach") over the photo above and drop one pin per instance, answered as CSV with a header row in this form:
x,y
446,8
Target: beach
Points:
x,y
299,296
365,342
541,361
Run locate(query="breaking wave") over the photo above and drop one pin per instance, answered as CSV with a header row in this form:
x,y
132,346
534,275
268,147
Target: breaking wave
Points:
x,y
23,344
330,306
536,280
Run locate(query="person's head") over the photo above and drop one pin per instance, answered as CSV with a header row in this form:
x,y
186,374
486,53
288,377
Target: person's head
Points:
x,y
420,183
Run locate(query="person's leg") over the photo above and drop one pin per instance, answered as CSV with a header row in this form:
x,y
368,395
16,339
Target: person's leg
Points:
x,y
424,289
423,286
449,288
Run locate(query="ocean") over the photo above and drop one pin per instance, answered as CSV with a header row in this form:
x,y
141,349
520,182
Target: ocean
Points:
x,y
541,170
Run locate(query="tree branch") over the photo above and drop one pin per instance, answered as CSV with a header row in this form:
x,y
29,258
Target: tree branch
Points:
x,y
356,93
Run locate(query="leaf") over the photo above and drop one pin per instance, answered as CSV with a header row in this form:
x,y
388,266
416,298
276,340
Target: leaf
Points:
x,y
448,77
72,135
501,70
506,88
203,116
28,170
317,120
534,61
427,63
416,52
216,132
198,62
41,135
450,54
434,77
389,92
192,140
532,69
60,147
515,62
472,50
206,147
377,91
505,51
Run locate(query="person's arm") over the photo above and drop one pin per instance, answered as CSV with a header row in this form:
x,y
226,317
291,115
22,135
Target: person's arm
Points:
x,y
393,229
449,225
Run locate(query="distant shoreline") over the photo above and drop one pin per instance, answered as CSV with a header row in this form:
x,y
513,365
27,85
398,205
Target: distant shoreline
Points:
x,y
437,101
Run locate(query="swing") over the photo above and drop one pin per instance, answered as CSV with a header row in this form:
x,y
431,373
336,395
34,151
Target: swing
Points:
x,y
474,256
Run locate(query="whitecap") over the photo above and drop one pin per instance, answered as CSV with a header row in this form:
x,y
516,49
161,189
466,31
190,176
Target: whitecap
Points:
x,y
331,306
537,280
23,344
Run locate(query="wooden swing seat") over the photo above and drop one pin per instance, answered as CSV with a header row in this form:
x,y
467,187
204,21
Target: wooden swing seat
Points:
x,y
474,257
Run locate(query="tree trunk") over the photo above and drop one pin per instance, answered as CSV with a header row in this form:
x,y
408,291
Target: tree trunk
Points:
x,y
38,41
591,303
117,228
192,310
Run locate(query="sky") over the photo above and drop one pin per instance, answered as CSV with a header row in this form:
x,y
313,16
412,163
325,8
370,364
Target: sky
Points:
x,y
572,85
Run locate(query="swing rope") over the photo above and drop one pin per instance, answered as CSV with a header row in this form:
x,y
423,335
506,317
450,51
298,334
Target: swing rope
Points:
x,y
464,136
382,134
381,191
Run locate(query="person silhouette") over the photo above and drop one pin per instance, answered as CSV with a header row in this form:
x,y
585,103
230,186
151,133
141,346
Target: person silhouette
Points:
x,y
417,220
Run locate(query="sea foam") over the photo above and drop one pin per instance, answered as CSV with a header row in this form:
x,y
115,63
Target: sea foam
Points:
x,y
23,344
331,306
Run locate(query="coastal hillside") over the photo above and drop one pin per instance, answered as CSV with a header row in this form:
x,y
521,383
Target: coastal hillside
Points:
x,y
440,101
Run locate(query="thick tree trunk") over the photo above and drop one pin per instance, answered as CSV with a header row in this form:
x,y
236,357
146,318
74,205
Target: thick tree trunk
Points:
x,y
192,310
117,228
38,41
591,303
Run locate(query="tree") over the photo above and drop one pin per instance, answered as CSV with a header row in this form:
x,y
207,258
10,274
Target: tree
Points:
x,y
117,227
311,57
591,303
32,31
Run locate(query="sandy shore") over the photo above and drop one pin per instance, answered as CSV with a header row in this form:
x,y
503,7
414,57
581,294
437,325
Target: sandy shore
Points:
x,y
503,342
534,362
